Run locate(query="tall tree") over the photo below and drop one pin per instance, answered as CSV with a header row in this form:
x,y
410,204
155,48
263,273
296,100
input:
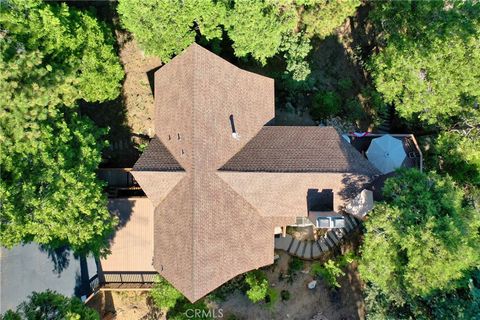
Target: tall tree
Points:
x,y
463,303
430,65
50,56
51,305
257,28
422,239
165,27
457,153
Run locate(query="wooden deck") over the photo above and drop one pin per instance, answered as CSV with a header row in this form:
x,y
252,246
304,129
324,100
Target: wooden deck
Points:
x,y
414,157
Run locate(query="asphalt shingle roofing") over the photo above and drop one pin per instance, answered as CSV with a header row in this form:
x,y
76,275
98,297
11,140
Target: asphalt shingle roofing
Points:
x,y
211,225
299,149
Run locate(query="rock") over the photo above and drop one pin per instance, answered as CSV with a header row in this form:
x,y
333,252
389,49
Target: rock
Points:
x,y
312,284
319,316
276,257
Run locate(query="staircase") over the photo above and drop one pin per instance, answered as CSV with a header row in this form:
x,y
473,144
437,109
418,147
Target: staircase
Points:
x,y
309,249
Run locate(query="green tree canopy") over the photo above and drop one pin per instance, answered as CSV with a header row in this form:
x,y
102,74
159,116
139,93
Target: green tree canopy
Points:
x,y
258,28
74,49
430,65
165,27
422,239
458,154
460,304
51,56
51,305
49,191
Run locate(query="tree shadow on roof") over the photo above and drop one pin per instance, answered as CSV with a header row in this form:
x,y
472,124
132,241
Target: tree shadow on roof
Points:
x,y
354,184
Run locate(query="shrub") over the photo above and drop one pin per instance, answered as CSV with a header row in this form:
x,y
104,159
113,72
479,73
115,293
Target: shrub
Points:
x,y
285,294
164,294
330,271
295,265
51,305
222,292
347,258
326,104
272,297
258,283
353,109
345,84
315,269
185,310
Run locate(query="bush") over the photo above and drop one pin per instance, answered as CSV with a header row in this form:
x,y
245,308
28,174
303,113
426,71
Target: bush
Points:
x,y
330,271
326,104
347,258
258,283
353,109
285,294
345,84
164,294
295,265
51,305
222,292
185,310
316,269
271,298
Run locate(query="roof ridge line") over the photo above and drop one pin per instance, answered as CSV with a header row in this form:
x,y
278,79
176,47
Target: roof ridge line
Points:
x,y
192,168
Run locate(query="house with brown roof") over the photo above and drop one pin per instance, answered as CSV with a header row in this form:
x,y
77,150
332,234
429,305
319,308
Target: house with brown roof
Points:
x,y
219,179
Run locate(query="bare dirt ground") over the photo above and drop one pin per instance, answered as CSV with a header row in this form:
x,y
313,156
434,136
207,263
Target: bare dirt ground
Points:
x,y
345,303
138,86
126,305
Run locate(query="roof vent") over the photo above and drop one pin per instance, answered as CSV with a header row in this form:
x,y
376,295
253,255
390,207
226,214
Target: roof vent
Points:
x,y
235,135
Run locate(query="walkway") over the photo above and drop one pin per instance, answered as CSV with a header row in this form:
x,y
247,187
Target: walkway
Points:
x,y
309,249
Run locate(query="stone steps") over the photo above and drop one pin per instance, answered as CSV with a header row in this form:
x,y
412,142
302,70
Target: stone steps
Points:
x,y
294,246
313,249
283,243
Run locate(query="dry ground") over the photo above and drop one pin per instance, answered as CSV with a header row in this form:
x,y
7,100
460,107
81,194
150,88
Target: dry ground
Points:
x,y
344,304
126,305
137,88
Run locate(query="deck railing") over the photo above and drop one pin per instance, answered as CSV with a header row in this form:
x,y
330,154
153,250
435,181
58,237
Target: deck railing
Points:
x,y
123,280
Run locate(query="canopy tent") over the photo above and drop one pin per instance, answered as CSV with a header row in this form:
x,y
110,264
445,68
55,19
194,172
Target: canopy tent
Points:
x,y
386,153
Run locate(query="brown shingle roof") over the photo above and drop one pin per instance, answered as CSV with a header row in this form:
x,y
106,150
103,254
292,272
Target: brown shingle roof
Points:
x,y
208,225
157,158
299,149
281,194
202,228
